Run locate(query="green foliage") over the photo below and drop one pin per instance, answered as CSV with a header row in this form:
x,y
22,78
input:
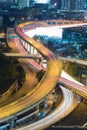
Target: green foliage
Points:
x,y
21,75
10,68
72,69
4,47
40,74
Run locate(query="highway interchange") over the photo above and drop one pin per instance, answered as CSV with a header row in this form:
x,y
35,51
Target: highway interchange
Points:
x,y
53,72
75,87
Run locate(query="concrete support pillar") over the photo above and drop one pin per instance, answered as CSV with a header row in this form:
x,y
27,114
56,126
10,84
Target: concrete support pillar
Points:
x,y
35,52
12,123
44,63
28,48
45,103
41,61
25,45
32,49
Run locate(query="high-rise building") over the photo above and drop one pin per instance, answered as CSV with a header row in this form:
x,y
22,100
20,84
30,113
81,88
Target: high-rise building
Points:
x,y
79,4
31,3
85,5
27,3
73,5
22,3
15,1
65,5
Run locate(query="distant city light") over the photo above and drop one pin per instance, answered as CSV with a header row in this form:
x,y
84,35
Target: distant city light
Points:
x,y
55,4
41,1
48,31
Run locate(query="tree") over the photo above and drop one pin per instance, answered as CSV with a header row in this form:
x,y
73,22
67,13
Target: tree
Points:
x,y
21,75
40,74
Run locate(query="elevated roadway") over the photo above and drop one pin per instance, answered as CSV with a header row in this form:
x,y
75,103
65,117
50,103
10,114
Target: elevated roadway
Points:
x,y
46,85
32,56
53,23
73,85
67,105
19,55
79,89
74,60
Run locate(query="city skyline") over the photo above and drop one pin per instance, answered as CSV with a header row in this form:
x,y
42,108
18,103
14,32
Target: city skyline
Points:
x,y
43,64
63,5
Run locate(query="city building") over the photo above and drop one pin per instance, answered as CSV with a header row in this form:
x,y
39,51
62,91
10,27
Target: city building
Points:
x,y
65,5
79,5
23,3
74,5
55,4
85,5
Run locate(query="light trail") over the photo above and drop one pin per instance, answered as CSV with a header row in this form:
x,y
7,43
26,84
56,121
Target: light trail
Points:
x,y
79,89
44,87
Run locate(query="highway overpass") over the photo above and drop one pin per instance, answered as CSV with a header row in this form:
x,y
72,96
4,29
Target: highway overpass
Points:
x,y
49,80
74,60
82,91
79,89
32,56
19,55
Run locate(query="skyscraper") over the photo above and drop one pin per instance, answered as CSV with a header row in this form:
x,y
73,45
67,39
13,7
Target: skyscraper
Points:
x,y
65,5
22,3
31,2
73,5
79,5
85,5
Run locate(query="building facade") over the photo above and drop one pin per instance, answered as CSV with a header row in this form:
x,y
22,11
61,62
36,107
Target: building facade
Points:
x,y
85,5
23,3
65,5
79,5
74,5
